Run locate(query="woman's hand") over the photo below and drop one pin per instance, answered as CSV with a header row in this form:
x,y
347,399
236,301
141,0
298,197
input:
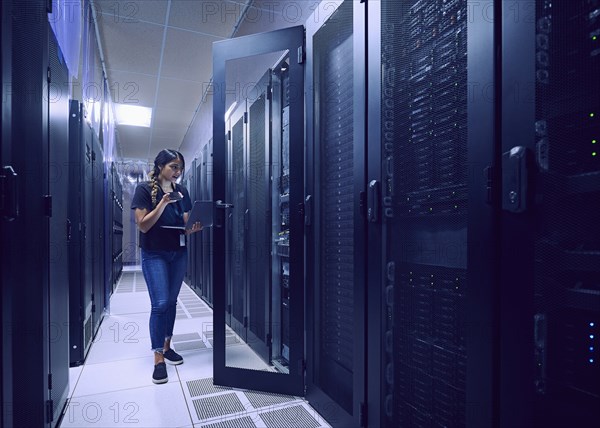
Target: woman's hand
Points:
x,y
166,199
196,227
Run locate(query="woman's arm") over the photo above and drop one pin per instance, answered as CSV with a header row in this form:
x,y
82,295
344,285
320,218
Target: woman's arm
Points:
x,y
145,220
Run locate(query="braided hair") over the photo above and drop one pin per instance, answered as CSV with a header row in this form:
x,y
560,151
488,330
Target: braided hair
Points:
x,y
164,157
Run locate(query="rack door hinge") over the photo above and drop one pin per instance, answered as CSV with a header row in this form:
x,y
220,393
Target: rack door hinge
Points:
x,y
301,55
49,75
488,172
49,411
362,415
47,205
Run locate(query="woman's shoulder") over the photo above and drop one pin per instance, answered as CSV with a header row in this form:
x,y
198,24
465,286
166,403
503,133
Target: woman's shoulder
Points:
x,y
145,185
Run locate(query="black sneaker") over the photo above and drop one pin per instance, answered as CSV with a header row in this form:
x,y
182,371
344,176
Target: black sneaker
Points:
x,y
172,357
160,373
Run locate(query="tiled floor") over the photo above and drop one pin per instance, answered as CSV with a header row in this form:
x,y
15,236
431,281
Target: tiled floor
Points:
x,y
114,387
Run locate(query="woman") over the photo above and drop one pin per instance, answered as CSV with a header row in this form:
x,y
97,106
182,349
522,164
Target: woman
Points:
x,y
164,256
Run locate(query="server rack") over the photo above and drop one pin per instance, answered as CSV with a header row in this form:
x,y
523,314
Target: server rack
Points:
x,y
117,226
432,148
80,293
236,222
250,180
34,388
60,226
550,173
196,238
336,213
191,243
206,234
97,232
8,209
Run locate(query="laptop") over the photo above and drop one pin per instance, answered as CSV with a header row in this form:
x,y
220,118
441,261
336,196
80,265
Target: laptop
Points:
x,y
202,211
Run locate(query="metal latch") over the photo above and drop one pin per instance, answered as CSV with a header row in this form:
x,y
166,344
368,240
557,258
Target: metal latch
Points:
x,y
514,180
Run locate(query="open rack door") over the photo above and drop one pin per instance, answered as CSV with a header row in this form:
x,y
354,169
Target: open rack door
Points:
x,y
258,235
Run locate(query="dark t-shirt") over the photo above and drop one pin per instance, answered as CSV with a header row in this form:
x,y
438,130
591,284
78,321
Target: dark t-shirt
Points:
x,y
158,238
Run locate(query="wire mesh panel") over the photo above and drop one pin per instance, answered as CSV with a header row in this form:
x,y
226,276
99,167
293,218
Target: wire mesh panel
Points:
x,y
424,144
567,246
333,63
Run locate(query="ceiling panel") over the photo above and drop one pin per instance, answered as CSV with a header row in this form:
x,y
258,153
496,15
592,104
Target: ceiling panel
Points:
x,y
269,15
131,12
170,118
192,63
132,88
132,47
215,18
134,141
179,94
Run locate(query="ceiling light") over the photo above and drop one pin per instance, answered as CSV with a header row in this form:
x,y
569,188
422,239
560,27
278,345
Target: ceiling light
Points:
x,y
133,115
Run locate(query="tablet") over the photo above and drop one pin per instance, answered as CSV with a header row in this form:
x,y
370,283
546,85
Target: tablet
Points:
x,y
202,211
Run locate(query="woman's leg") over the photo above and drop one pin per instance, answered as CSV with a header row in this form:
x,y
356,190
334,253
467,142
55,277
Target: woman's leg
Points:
x,y
177,269
156,273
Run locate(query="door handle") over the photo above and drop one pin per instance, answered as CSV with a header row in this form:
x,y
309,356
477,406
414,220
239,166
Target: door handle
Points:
x,y
515,180
9,191
220,214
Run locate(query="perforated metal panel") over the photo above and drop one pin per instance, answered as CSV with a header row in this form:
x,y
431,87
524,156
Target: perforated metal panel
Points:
x,y
289,417
265,399
333,45
219,405
424,108
258,270
203,387
245,422
567,239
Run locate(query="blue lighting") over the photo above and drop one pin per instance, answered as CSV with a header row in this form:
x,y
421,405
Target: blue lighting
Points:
x,y
591,336
591,324
591,360
591,349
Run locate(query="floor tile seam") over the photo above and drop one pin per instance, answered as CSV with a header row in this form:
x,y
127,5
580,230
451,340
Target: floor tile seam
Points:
x,y
147,357
126,389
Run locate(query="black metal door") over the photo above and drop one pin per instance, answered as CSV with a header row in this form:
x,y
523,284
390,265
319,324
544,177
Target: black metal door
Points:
x,y
432,148
234,228
337,216
551,182
60,227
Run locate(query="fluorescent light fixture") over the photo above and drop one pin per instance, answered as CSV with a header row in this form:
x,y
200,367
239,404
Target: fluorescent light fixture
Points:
x,y
133,115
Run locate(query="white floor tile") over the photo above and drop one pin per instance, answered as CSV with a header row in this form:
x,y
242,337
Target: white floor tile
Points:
x,y
151,406
197,365
114,388
118,375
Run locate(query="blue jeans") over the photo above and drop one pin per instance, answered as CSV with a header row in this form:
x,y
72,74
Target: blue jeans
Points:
x,y
163,272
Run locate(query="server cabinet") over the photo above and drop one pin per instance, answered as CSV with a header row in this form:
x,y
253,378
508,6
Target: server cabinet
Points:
x,y
97,238
35,387
550,176
237,284
88,234
248,177
206,234
432,245
8,207
196,238
191,243
79,341
60,226
336,214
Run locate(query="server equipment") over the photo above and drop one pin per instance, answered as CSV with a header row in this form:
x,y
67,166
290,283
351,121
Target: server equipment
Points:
x,y
258,188
560,127
336,212
205,241
80,277
34,173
